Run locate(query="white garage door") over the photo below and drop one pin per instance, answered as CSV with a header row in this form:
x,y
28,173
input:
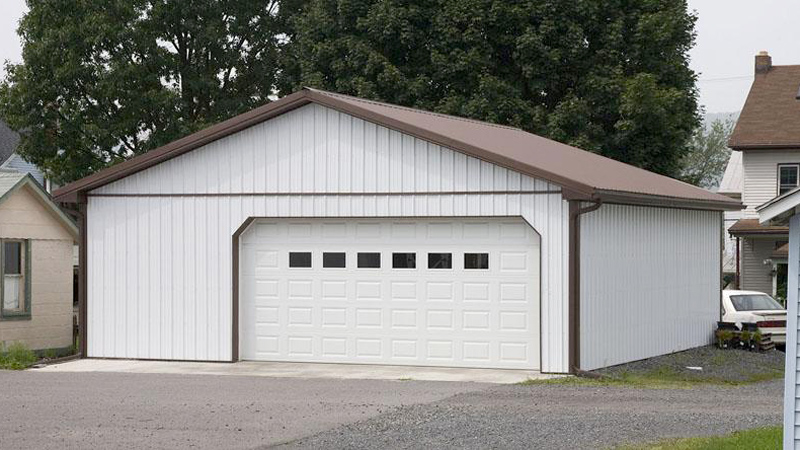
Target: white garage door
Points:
x,y
432,292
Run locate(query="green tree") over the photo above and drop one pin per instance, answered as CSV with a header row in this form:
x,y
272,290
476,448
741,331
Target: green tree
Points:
x,y
705,163
102,80
608,76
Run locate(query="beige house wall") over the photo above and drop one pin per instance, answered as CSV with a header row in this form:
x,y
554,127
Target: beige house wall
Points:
x,y
24,216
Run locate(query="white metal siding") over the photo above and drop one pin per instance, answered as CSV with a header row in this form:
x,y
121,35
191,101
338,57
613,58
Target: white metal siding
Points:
x,y
756,276
791,402
160,267
649,282
761,176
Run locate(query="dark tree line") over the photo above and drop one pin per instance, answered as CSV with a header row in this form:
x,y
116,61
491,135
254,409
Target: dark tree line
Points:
x,y
102,80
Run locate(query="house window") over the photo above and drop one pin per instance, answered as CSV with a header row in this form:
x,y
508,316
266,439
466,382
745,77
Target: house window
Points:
x,y
369,260
335,260
15,278
788,177
404,260
300,259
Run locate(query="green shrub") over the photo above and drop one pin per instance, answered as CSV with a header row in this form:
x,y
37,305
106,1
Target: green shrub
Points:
x,y
50,353
17,357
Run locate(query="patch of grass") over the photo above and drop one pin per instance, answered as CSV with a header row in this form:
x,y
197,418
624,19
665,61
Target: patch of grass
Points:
x,y
17,357
766,438
660,378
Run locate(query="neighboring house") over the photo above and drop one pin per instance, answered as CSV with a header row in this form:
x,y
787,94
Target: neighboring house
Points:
x,y
10,161
327,228
767,135
782,211
731,186
36,240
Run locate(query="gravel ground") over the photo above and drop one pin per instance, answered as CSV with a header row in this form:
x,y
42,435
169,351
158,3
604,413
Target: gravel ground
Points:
x,y
560,416
166,411
729,365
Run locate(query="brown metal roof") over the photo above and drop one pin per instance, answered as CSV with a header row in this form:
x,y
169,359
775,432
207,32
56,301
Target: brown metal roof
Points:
x,y
749,227
584,175
770,117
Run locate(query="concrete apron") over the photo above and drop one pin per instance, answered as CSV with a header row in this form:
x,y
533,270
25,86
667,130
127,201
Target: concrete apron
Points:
x,y
298,370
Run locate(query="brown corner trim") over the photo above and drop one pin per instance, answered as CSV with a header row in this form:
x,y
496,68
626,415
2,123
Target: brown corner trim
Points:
x,y
574,317
83,333
235,288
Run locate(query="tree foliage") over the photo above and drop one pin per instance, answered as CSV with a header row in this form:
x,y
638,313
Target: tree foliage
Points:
x,y
705,163
102,80
607,76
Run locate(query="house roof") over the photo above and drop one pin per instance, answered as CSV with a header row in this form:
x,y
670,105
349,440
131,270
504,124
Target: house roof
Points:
x,y
732,180
781,252
770,117
583,175
750,227
9,139
11,182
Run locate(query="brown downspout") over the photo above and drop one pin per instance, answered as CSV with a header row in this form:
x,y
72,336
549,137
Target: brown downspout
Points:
x,y
575,211
738,274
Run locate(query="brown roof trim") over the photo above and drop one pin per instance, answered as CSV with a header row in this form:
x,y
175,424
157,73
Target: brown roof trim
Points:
x,y
577,188
69,193
628,198
751,227
782,146
465,147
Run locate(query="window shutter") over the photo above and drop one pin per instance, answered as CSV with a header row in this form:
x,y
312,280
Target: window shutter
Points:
x,y
28,277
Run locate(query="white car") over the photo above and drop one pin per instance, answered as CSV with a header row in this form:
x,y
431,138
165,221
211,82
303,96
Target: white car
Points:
x,y
755,307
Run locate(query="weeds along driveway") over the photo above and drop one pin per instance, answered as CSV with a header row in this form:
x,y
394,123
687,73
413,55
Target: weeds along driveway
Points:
x,y
114,410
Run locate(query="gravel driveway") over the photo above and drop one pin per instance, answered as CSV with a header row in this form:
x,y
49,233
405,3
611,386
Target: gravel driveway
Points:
x,y
561,416
114,410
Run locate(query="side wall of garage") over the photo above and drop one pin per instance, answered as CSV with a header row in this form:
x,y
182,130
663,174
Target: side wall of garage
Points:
x,y
160,240
649,282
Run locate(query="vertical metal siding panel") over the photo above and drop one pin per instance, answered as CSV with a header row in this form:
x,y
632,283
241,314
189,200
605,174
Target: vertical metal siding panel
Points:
x,y
644,270
184,262
791,404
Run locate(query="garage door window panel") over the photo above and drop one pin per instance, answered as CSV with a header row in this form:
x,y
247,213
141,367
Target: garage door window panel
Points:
x,y
334,260
404,260
479,261
300,260
369,260
440,260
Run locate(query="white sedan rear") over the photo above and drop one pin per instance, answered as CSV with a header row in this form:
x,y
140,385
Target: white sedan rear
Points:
x,y
755,307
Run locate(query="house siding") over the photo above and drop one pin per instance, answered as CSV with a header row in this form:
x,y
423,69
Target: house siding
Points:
x,y
755,275
761,176
649,282
17,164
159,267
22,216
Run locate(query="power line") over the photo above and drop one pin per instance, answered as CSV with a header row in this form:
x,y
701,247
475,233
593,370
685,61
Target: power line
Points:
x,y
743,77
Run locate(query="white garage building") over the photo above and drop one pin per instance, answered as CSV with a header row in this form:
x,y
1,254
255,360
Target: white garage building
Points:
x,y
326,228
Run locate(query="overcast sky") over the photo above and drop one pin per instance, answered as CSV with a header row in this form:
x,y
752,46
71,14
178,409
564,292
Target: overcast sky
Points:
x,y
729,34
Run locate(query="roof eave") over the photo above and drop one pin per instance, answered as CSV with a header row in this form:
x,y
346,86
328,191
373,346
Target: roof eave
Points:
x,y
45,198
628,198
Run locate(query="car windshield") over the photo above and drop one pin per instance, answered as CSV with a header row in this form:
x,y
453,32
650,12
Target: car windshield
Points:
x,y
753,302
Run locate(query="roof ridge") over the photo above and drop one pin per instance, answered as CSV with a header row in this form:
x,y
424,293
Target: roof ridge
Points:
x,y
416,110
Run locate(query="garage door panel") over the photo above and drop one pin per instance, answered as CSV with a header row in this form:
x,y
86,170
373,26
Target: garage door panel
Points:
x,y
448,315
